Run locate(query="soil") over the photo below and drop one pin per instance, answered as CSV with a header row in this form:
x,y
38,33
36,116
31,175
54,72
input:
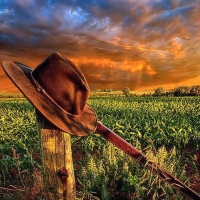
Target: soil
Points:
x,y
193,170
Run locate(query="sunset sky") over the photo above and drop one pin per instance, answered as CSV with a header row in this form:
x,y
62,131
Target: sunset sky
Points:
x,y
140,44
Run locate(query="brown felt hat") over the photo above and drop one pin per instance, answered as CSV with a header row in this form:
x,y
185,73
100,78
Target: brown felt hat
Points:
x,y
58,90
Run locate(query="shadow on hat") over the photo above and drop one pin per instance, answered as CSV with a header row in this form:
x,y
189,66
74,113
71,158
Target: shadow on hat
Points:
x,y
58,90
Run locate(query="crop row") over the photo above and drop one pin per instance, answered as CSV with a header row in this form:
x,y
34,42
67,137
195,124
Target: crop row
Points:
x,y
164,128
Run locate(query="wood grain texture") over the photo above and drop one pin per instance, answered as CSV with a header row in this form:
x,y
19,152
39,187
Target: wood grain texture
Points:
x,y
58,171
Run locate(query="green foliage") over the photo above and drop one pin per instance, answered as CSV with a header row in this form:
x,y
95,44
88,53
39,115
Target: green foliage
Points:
x,y
195,90
159,91
182,91
7,95
187,91
163,128
19,148
126,91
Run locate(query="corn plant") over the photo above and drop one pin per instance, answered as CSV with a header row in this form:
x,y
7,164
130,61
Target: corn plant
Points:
x,y
166,129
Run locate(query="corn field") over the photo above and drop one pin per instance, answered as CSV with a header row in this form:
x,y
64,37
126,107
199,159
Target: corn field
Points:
x,y
166,129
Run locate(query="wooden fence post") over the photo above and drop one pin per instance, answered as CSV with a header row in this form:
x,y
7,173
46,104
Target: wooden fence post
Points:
x,y
56,155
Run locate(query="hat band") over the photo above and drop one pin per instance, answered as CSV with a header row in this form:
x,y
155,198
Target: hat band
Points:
x,y
42,90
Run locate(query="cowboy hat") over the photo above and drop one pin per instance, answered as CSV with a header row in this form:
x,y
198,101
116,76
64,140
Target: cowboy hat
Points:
x,y
58,90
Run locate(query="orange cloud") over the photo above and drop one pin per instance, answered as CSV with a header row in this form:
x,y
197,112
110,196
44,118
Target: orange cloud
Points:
x,y
138,44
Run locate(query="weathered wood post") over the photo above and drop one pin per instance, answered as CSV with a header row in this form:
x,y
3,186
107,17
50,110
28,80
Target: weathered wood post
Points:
x,y
59,91
57,163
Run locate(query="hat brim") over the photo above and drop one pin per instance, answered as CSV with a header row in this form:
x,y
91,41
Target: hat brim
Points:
x,y
83,125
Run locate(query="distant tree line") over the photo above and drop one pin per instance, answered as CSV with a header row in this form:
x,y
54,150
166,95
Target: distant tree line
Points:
x,y
179,91
160,91
7,95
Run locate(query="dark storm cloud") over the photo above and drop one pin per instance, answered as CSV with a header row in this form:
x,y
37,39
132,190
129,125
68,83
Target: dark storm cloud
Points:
x,y
153,41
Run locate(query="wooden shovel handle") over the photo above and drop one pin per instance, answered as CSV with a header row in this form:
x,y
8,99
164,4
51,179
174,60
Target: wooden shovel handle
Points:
x,y
142,159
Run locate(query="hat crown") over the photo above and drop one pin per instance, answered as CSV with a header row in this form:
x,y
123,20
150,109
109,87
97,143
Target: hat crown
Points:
x,y
63,82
